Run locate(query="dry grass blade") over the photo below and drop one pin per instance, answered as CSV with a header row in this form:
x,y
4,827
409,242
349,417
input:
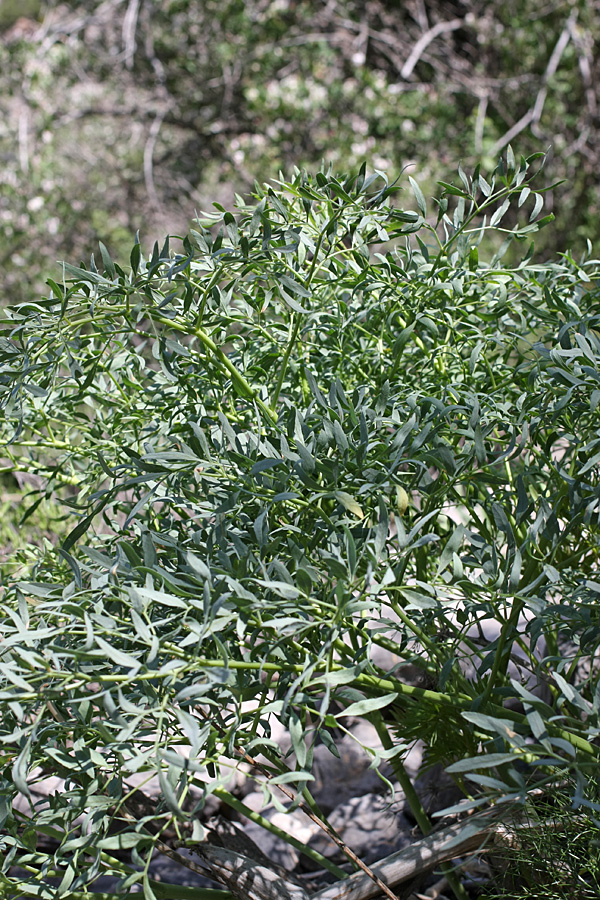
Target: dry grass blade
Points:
x,y
430,851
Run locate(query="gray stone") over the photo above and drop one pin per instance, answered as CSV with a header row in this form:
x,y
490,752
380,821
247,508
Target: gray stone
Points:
x,y
276,848
371,825
437,790
338,780
162,868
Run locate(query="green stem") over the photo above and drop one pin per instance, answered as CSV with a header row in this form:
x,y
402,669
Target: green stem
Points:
x,y
243,386
372,684
414,802
501,659
244,810
296,320
402,776
217,275
58,476
284,363
477,210
423,638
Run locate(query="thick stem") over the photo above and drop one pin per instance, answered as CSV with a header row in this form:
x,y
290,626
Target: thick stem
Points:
x,y
412,798
414,802
240,807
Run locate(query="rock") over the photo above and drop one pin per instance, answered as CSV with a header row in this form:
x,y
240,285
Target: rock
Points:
x,y
371,825
437,790
338,780
277,849
164,869
255,801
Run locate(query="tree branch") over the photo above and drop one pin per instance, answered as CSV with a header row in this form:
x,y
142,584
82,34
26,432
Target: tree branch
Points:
x,y
424,41
534,114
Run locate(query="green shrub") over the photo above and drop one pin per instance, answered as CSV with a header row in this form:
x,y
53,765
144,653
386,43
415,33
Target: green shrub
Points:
x,y
553,855
324,424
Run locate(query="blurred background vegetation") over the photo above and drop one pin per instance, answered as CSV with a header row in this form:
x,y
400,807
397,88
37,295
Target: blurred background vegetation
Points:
x,y
119,115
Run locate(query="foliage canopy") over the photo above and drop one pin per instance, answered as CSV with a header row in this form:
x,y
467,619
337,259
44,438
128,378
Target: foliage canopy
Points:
x,y
320,425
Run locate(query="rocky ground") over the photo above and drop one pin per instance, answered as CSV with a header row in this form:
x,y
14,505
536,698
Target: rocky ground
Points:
x,y
371,820
368,811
